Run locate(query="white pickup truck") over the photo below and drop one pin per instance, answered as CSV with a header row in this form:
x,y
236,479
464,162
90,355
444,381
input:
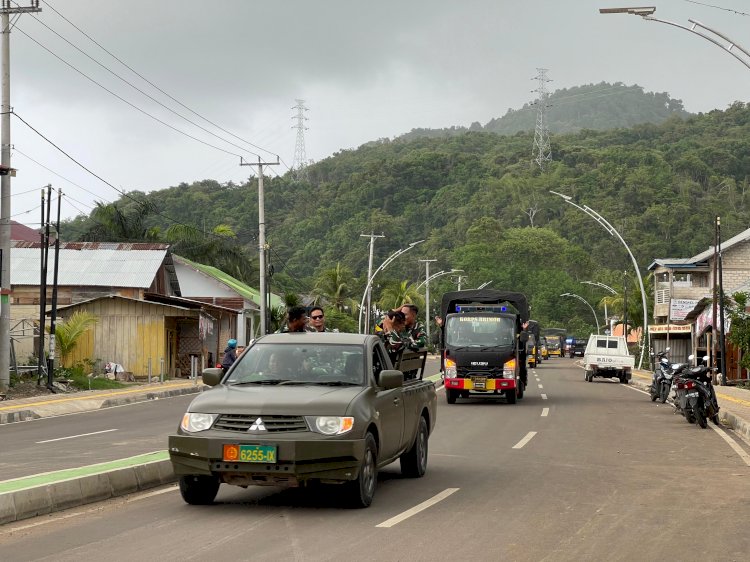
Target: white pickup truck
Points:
x,y
607,356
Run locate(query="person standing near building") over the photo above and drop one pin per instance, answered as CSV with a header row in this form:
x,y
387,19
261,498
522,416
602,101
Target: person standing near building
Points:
x,y
230,355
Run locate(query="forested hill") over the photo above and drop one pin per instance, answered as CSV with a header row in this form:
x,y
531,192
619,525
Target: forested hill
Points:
x,y
595,106
482,207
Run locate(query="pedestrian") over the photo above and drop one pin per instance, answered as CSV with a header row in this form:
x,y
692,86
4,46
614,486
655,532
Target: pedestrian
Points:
x,y
317,320
296,320
417,335
230,355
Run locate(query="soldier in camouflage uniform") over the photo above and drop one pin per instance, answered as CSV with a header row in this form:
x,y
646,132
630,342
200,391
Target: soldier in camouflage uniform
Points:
x,y
296,320
391,331
416,335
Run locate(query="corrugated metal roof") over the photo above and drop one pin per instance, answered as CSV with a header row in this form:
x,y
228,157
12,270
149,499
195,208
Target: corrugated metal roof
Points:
x,y
90,264
234,284
118,297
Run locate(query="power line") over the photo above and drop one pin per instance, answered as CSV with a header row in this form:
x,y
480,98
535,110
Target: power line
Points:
x,y
717,7
542,147
119,97
142,77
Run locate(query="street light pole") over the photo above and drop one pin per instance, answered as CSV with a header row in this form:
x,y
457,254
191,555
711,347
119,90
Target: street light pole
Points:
x,y
611,230
427,297
372,238
587,304
608,288
647,14
383,265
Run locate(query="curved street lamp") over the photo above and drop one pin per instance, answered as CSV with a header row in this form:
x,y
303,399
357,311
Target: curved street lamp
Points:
x,y
647,14
427,296
606,287
611,230
587,304
383,265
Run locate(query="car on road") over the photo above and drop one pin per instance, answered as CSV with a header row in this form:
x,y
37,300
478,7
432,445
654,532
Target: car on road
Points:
x,y
297,408
577,348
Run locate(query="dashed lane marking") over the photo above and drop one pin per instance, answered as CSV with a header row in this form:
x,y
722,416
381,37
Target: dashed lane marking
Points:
x,y
74,436
544,396
522,442
417,508
545,412
540,386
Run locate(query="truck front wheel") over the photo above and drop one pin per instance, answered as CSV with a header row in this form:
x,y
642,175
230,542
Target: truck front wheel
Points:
x,y
450,396
199,489
359,492
510,395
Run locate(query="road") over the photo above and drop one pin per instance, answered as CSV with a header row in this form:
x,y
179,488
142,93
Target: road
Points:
x,y
595,471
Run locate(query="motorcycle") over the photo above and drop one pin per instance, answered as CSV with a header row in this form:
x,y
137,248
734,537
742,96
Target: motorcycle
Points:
x,y
695,397
661,380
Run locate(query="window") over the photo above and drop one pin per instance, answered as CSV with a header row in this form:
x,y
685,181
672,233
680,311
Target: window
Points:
x,y
612,344
601,343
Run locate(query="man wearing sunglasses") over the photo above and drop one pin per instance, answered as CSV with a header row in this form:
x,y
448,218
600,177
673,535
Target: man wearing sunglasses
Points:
x,y
317,320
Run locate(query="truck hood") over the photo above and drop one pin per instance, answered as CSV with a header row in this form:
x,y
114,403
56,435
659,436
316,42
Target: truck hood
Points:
x,y
276,400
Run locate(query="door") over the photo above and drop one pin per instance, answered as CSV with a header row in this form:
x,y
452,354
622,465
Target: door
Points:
x,y
389,405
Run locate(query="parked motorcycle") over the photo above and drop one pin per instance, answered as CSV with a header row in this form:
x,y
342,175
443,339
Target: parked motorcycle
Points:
x,y
695,397
661,380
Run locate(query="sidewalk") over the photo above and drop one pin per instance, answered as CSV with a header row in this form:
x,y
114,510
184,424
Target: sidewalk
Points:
x,y
734,403
39,494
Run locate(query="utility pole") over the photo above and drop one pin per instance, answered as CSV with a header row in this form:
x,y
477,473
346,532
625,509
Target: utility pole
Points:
x,y
458,279
262,241
44,249
372,238
542,152
427,297
625,305
299,164
53,316
715,316
6,9
722,344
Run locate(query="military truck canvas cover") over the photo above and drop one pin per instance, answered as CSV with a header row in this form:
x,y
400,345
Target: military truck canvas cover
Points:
x,y
485,296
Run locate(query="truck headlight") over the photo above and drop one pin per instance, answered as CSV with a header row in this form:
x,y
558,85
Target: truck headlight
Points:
x,y
330,425
509,369
450,369
194,422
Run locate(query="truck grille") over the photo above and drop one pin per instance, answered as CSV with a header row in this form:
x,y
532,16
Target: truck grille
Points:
x,y
482,371
272,424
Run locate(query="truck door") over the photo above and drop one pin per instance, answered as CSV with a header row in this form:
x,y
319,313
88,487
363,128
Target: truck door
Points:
x,y
390,407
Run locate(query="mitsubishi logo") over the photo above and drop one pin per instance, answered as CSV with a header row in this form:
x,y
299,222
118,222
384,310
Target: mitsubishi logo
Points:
x,y
257,425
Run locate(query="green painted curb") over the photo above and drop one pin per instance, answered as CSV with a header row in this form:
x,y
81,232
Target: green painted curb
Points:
x,y
434,378
70,473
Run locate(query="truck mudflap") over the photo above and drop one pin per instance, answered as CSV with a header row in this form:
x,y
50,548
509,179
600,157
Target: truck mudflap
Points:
x,y
479,383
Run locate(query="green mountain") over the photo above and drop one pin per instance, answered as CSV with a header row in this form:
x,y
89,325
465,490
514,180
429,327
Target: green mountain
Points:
x,y
594,106
482,206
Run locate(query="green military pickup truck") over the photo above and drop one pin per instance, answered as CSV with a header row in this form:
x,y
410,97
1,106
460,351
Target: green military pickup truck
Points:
x,y
304,407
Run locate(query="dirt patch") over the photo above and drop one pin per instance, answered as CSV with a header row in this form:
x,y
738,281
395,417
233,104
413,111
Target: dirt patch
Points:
x,y
29,389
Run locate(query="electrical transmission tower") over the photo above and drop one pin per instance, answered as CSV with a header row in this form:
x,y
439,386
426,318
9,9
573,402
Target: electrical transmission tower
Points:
x,y
542,152
299,164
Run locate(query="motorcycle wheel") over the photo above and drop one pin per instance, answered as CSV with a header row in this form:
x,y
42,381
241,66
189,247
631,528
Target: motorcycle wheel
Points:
x,y
715,419
663,393
653,394
700,417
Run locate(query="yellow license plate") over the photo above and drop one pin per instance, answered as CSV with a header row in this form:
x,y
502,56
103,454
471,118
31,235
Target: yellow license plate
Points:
x,y
480,383
250,453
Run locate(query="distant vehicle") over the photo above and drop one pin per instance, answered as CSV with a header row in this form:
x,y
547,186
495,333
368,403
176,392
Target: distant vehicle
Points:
x,y
483,344
577,348
608,356
543,347
299,408
555,341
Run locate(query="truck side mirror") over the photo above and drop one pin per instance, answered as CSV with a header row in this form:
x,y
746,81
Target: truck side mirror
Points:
x,y
523,337
391,379
212,376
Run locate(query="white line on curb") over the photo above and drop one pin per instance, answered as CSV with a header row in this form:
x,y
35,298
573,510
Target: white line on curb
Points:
x,y
545,412
525,440
737,449
417,508
544,396
74,436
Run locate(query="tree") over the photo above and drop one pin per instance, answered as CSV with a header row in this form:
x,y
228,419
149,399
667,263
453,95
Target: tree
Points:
x,y
739,334
396,293
68,333
334,286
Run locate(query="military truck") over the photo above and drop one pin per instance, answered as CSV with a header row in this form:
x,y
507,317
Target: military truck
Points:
x,y
483,344
533,344
555,341
297,408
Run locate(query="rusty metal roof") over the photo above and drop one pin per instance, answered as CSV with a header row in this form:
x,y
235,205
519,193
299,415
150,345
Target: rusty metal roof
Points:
x,y
92,264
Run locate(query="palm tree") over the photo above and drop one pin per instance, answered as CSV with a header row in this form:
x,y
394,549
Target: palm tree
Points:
x,y
334,286
396,293
68,333
123,223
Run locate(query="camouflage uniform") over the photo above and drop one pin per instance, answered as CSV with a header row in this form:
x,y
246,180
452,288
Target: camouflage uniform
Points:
x,y
416,337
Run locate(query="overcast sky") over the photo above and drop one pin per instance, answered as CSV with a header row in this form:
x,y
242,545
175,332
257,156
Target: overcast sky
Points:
x,y
366,69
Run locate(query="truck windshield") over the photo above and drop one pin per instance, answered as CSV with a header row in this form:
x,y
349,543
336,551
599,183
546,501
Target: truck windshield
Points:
x,y
479,331
275,363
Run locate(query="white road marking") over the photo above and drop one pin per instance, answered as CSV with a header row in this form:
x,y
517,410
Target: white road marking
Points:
x,y
544,396
540,386
74,436
545,412
525,440
737,449
417,508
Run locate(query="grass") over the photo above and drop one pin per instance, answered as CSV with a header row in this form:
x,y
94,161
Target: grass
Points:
x,y
83,382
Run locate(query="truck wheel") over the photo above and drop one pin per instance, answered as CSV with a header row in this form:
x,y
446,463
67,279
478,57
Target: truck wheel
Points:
x,y
587,376
510,395
414,461
199,489
450,396
359,492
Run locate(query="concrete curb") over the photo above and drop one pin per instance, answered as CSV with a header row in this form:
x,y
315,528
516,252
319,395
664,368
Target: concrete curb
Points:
x,y
48,498
90,403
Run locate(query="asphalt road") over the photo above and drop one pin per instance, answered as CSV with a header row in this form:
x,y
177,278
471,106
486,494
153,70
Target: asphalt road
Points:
x,y
605,475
